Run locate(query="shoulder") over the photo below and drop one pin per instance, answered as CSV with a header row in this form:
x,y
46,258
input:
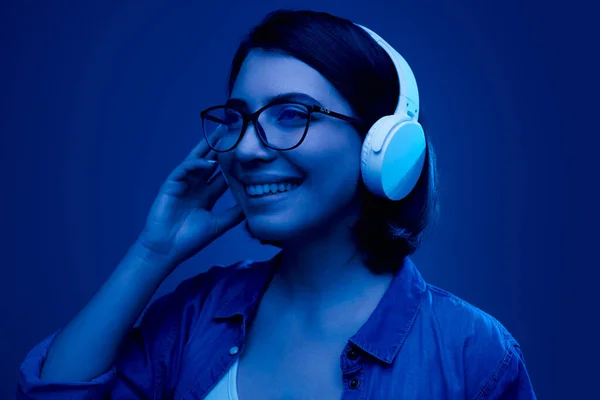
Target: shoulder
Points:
x,y
198,295
490,357
167,322
470,324
216,281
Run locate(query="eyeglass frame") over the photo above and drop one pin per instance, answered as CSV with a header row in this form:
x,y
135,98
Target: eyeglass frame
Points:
x,y
253,117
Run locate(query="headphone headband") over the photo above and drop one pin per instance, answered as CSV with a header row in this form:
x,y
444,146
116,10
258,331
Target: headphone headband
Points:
x,y
408,102
393,152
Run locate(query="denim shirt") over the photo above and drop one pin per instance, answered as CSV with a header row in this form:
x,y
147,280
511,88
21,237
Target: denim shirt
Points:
x,y
420,342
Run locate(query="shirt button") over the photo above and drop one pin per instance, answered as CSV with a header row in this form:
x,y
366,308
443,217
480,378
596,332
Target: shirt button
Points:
x,y
234,350
354,383
352,354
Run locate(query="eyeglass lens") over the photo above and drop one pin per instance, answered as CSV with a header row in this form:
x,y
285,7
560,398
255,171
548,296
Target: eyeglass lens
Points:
x,y
283,126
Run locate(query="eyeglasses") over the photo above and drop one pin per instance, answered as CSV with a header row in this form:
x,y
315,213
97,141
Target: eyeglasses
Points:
x,y
280,126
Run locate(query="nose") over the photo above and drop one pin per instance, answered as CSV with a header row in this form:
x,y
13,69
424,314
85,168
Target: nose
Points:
x,y
251,147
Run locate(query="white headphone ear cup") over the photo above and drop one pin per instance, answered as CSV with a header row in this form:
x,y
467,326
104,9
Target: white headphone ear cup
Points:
x,y
392,156
404,160
366,148
376,134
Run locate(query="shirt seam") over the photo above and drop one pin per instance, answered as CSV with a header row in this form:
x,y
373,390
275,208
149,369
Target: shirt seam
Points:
x,y
493,380
180,299
159,369
511,343
204,295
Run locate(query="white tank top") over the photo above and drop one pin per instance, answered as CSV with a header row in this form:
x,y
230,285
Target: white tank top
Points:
x,y
226,388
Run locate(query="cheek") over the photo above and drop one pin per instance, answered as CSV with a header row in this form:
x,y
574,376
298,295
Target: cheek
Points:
x,y
343,179
334,177
335,155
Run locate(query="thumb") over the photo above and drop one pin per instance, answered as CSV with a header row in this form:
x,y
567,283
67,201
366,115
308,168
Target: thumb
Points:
x,y
225,220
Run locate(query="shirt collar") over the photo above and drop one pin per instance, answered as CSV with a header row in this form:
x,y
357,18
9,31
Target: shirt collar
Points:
x,y
243,289
386,330
382,336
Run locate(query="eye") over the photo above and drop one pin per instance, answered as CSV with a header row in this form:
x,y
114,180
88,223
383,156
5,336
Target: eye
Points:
x,y
292,114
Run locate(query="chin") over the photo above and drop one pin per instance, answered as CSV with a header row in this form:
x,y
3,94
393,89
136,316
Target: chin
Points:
x,y
269,231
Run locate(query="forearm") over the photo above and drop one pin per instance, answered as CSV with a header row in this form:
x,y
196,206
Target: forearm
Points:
x,y
89,344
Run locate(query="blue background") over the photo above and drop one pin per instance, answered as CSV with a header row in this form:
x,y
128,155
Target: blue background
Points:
x,y
100,101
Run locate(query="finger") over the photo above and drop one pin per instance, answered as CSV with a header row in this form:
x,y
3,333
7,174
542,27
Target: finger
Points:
x,y
202,150
228,219
174,188
201,178
211,155
214,190
188,167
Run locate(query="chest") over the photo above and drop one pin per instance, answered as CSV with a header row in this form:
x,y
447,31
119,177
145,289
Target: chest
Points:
x,y
305,372
282,361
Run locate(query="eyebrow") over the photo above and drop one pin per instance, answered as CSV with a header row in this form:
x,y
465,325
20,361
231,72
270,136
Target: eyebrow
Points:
x,y
279,98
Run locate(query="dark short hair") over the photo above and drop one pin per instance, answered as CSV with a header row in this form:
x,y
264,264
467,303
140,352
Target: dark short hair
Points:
x,y
363,73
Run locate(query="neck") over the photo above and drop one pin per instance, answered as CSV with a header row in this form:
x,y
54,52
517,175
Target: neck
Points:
x,y
325,269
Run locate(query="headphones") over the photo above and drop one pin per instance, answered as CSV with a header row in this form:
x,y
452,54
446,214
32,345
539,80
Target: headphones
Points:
x,y
393,152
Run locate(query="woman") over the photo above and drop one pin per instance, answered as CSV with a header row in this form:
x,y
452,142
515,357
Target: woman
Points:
x,y
341,311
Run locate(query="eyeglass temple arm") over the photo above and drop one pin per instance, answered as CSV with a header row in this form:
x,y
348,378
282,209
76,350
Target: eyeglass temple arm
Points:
x,y
339,116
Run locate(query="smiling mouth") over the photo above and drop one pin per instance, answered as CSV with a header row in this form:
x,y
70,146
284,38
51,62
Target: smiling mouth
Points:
x,y
270,189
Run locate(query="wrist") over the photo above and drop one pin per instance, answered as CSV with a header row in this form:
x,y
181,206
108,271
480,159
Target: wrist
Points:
x,y
151,258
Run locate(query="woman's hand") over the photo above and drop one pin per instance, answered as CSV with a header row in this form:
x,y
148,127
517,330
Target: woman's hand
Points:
x,y
180,222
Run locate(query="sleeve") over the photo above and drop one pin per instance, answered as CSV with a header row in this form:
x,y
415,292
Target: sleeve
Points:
x,y
511,379
148,352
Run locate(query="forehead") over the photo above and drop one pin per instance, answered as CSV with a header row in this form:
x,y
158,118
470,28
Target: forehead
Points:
x,y
264,75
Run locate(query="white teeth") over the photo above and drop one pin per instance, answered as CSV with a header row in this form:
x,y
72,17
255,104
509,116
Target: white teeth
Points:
x,y
272,188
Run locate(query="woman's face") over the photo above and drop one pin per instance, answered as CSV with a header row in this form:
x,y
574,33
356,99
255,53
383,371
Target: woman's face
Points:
x,y
327,163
